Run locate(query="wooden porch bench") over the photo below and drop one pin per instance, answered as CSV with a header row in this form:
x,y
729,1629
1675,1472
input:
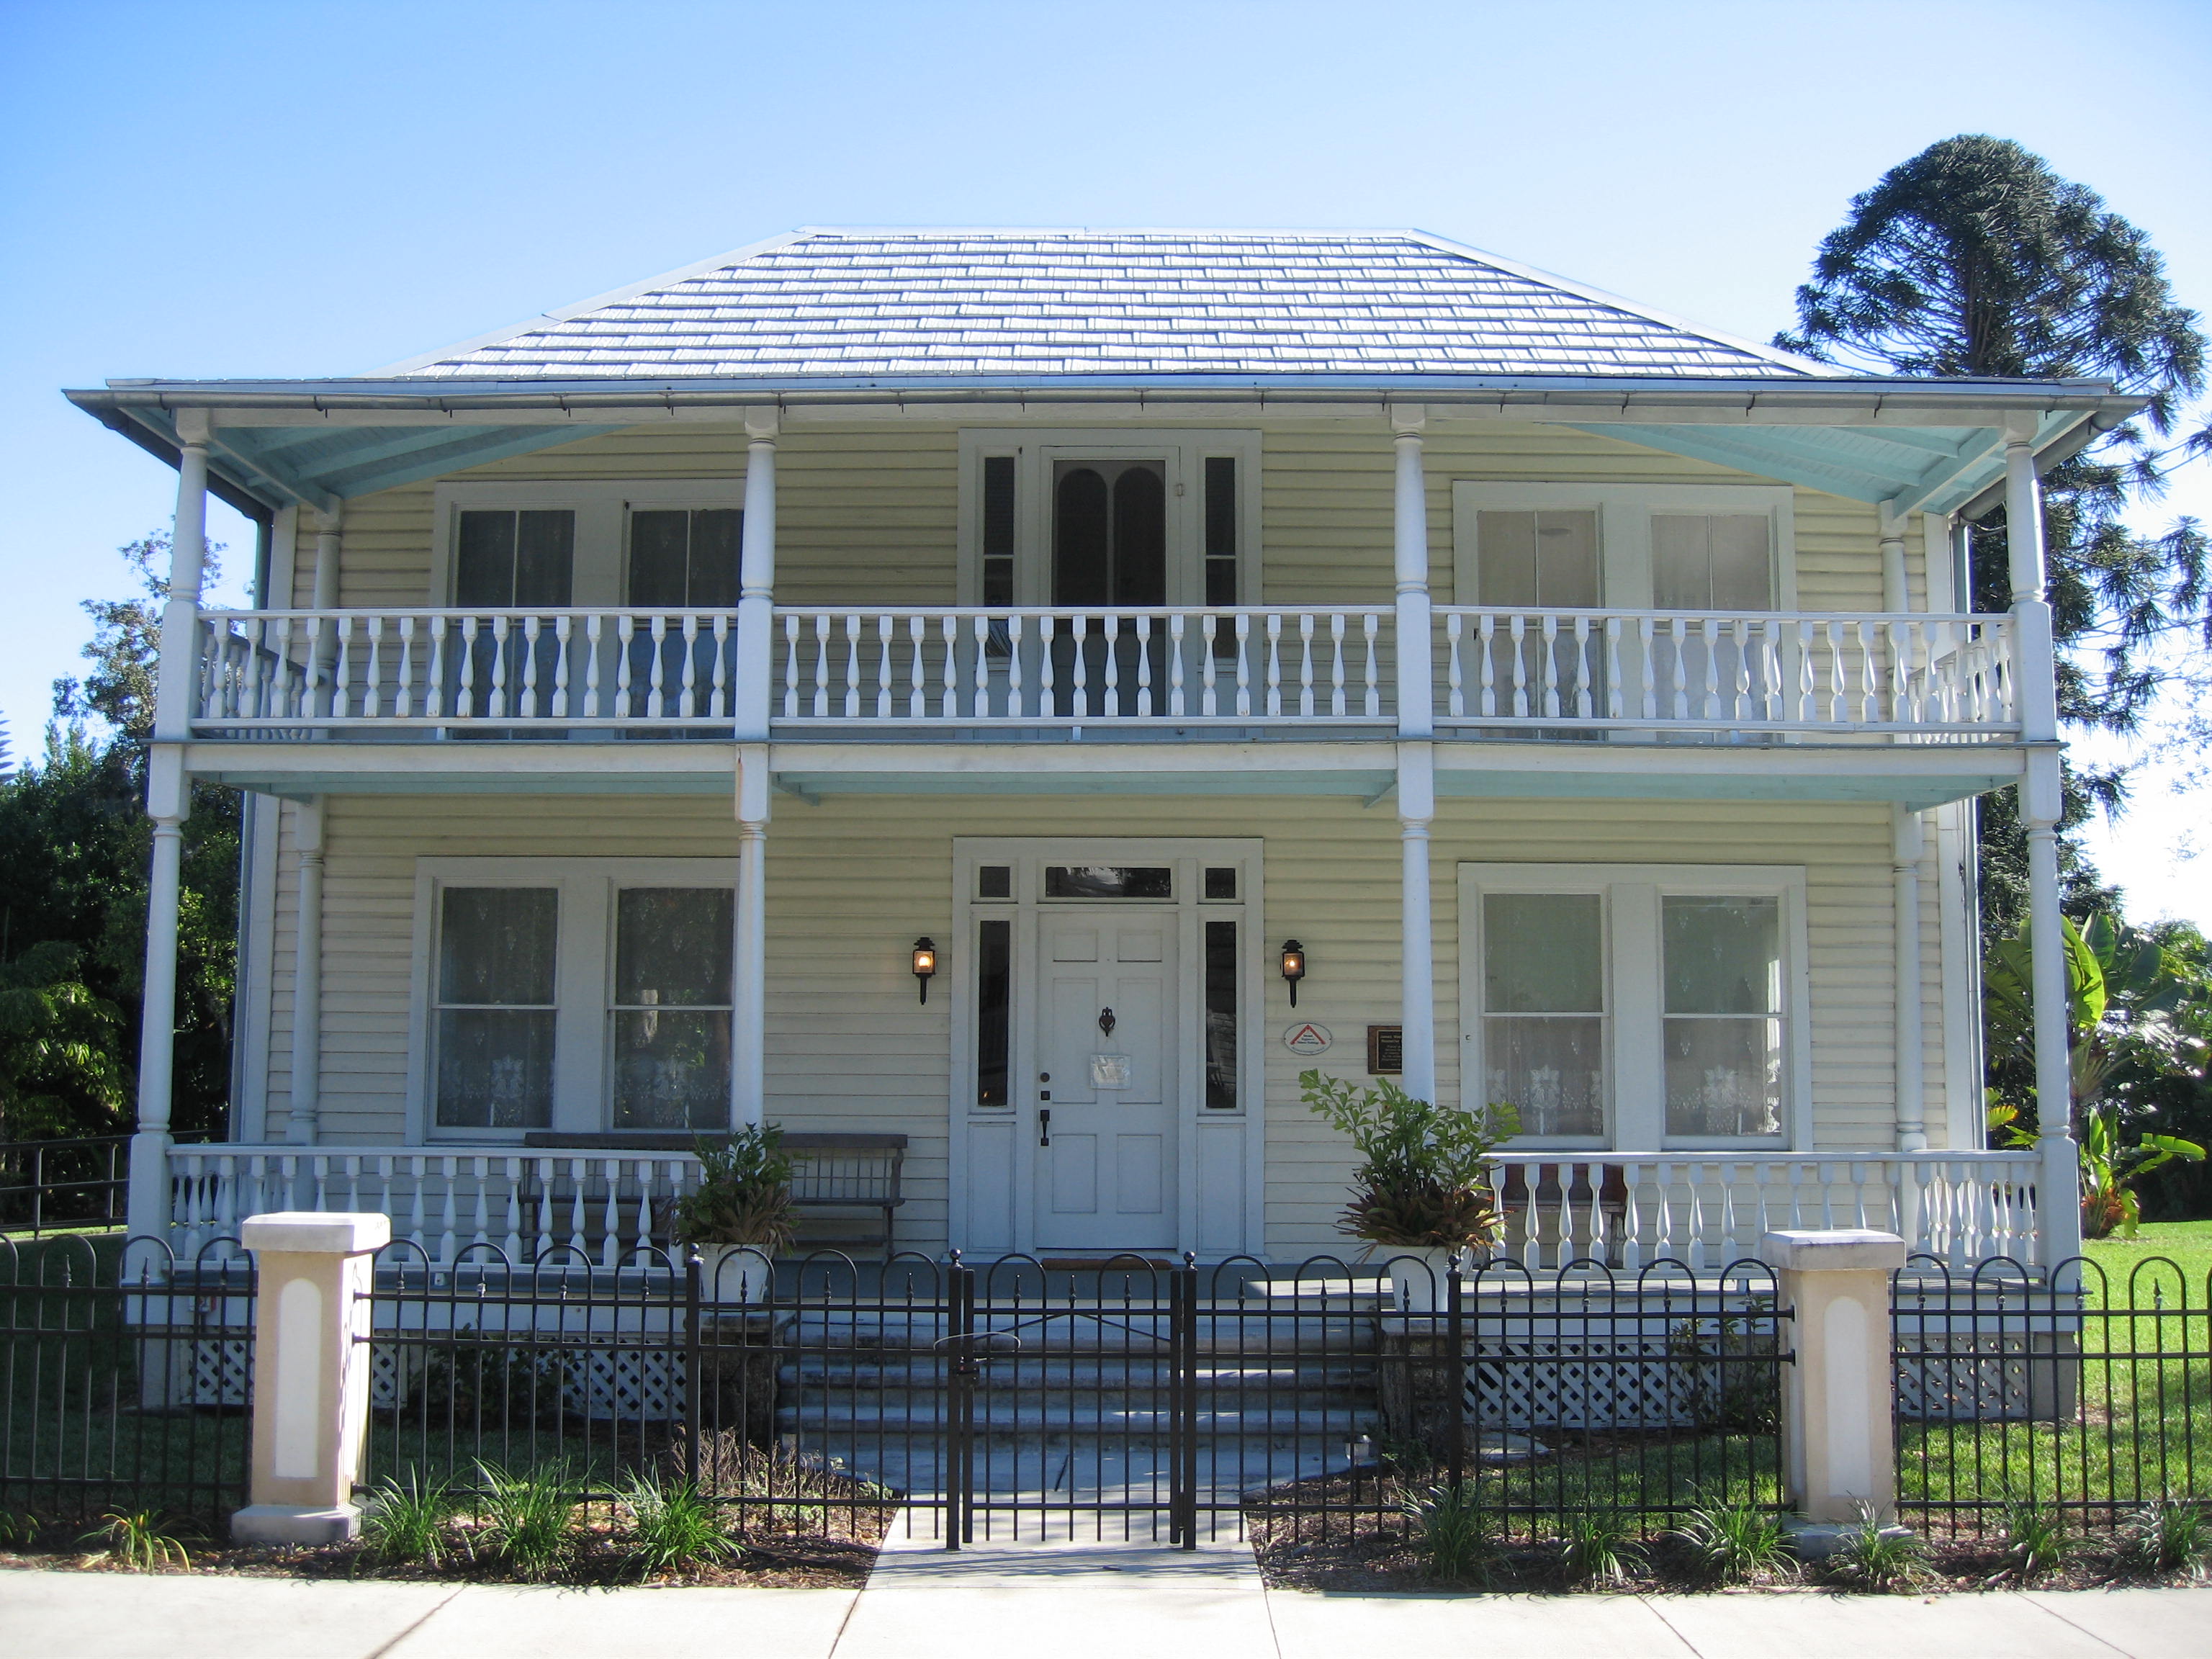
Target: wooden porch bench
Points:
x,y
834,1176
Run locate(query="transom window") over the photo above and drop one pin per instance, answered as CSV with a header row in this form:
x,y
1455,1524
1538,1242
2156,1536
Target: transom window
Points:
x,y
575,994
1639,1007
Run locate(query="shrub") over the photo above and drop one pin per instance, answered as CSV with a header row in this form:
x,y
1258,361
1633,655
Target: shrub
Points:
x,y
1871,1556
672,1527
2165,1536
138,1539
1451,1533
530,1517
1422,1180
1596,1548
744,1194
1731,1542
407,1521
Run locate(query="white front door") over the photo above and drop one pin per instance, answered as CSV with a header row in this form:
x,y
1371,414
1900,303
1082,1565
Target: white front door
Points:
x,y
1108,1078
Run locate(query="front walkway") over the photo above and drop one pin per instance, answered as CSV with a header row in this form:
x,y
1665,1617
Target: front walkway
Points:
x,y
1081,1603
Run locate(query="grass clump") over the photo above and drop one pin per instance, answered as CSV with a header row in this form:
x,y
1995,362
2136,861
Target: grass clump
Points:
x,y
530,1516
1731,1542
1872,1556
409,1521
673,1526
2168,1535
139,1540
1597,1548
1450,1533
2035,1541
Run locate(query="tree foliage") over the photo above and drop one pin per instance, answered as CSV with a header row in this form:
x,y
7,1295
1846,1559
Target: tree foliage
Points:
x,y
74,848
1975,258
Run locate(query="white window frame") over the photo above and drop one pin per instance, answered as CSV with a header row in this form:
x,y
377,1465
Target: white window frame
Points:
x,y
1625,513
601,507
583,978
1183,450
1635,992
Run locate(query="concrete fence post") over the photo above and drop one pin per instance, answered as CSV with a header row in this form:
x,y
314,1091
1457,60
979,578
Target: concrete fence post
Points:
x,y
1839,1434
311,1373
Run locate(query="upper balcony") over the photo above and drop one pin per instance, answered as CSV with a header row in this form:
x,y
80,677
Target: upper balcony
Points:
x,y
1031,673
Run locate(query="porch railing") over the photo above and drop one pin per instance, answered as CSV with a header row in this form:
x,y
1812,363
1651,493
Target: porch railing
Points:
x,y
1653,670
1623,1210
1626,1210
1492,672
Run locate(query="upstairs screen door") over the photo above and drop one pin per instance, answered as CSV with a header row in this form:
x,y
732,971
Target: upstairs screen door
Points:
x,y
1109,547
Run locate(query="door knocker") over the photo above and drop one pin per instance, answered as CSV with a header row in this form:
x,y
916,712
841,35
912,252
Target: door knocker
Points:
x,y
1106,1021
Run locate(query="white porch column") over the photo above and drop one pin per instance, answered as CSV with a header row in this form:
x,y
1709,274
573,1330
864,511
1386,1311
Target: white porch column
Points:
x,y
168,802
756,581
749,978
2058,1209
1896,591
1911,1083
1417,809
303,1117
1416,698
324,598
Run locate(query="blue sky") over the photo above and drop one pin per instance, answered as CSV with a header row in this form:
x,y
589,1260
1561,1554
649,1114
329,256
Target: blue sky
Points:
x,y
219,189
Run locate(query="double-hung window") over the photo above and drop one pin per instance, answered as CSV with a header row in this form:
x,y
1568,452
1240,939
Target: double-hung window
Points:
x,y
1639,1007
647,544
572,993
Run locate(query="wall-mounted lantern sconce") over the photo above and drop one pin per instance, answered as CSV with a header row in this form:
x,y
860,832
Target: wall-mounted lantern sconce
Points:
x,y
925,963
1294,966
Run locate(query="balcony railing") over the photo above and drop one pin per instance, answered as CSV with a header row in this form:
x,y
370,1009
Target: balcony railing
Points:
x,y
1624,1210
1653,671
1277,669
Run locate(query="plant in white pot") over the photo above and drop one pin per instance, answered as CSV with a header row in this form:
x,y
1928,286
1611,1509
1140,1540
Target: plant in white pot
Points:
x,y
740,1214
1423,1186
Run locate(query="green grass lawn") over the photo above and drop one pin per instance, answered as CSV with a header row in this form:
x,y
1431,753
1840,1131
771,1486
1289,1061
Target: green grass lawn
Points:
x,y
2187,1245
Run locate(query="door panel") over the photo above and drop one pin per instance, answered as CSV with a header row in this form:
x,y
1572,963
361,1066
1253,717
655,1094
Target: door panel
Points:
x,y
1106,1170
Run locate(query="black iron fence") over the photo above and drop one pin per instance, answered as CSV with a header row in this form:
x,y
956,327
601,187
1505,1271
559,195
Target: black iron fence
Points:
x,y
125,1379
1131,1399
2087,1394
48,1185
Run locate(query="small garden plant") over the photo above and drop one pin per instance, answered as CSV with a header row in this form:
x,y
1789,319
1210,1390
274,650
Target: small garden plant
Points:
x,y
140,1539
1597,1547
673,1526
1733,1542
1451,1533
408,1522
1872,1556
2169,1535
530,1516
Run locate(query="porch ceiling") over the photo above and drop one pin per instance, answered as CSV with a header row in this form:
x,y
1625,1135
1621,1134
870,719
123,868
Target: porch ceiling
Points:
x,y
1916,775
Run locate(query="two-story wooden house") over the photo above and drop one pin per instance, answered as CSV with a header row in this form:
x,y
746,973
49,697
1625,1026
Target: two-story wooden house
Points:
x,y
1036,692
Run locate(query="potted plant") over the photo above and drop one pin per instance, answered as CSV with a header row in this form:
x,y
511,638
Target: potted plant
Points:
x,y
740,1209
1423,1187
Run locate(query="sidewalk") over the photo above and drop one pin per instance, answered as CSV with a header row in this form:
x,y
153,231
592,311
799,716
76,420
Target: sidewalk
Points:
x,y
1064,1603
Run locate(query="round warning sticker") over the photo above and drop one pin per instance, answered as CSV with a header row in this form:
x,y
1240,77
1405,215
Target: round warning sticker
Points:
x,y
1307,1039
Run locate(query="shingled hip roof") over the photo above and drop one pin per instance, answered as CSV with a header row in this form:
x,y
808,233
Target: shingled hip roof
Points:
x,y
899,303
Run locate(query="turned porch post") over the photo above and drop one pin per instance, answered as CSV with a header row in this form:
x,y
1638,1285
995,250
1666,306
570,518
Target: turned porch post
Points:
x,y
168,802
1417,790
756,636
2058,1207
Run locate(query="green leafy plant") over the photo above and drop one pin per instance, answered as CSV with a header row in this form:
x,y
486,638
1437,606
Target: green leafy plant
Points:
x,y
1451,1533
139,1540
530,1517
1872,1556
407,1522
1730,1542
2167,1536
1597,1548
744,1194
672,1526
2132,1007
17,1529
1423,1181
2035,1541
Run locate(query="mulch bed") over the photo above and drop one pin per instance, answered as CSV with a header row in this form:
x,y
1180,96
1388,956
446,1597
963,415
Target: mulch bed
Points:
x,y
1369,1553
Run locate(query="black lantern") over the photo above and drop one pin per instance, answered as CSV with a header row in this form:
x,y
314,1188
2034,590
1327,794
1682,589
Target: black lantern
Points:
x,y
925,963
1294,967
